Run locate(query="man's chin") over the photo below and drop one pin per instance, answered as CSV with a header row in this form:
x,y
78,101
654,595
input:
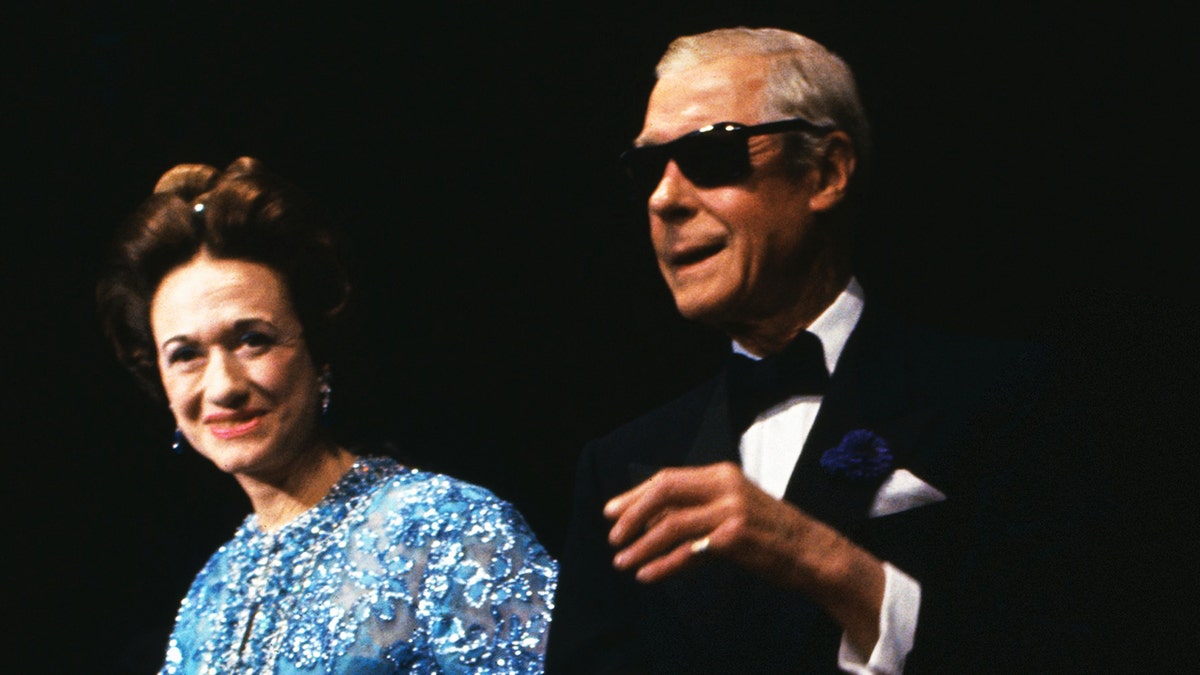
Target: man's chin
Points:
x,y
709,310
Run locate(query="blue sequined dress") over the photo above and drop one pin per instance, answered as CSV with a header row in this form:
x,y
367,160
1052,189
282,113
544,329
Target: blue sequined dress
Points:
x,y
395,571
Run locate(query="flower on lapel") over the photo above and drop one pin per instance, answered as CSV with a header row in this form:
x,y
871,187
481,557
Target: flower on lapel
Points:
x,y
860,456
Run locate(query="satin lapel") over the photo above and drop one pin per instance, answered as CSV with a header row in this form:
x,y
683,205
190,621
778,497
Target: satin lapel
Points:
x,y
718,596
868,391
715,441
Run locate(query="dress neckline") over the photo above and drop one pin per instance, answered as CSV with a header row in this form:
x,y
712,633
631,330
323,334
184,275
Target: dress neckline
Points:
x,y
356,480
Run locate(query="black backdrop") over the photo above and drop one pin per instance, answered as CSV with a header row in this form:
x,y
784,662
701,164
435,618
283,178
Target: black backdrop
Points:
x,y
508,306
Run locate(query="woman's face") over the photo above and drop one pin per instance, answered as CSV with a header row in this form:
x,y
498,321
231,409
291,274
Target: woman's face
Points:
x,y
237,372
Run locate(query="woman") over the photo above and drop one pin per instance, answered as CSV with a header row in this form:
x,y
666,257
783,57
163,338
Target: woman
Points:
x,y
221,295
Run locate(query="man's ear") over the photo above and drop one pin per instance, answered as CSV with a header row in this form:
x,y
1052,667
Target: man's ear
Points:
x,y
834,169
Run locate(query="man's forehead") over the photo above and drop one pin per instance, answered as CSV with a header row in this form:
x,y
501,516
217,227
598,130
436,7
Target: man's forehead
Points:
x,y
728,89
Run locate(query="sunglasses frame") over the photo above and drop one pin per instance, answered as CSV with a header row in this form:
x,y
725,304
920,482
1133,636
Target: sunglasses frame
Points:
x,y
644,165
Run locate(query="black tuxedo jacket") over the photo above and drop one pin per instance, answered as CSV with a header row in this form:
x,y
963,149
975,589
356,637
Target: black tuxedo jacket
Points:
x,y
1001,561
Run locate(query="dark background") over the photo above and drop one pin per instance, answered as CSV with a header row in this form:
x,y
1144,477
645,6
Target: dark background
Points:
x,y
1027,166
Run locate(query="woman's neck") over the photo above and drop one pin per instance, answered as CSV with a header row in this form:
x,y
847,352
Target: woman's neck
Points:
x,y
278,502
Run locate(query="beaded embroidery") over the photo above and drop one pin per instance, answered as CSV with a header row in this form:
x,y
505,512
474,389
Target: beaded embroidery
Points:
x,y
395,571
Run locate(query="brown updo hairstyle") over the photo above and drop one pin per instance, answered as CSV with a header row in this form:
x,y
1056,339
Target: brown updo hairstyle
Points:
x,y
244,212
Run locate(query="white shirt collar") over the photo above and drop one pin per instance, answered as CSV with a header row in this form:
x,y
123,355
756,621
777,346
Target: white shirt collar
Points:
x,y
833,326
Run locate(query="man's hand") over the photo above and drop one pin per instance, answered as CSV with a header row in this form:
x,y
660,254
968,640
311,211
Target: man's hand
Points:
x,y
678,516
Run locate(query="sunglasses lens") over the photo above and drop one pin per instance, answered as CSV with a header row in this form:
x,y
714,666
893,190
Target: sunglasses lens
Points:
x,y
645,166
711,159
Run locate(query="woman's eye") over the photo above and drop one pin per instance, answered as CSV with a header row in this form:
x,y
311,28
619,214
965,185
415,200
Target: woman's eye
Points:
x,y
256,339
183,355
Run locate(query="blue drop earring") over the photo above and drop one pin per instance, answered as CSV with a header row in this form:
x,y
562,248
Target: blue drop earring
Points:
x,y
326,380
177,441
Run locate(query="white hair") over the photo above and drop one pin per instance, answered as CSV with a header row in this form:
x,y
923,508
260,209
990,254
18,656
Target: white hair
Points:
x,y
805,79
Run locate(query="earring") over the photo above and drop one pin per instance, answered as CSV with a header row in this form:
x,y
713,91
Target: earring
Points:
x,y
326,380
177,441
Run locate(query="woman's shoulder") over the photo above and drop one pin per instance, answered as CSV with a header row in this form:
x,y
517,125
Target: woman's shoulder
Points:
x,y
418,498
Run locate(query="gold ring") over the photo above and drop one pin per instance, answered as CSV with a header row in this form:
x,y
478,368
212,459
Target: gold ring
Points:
x,y
700,545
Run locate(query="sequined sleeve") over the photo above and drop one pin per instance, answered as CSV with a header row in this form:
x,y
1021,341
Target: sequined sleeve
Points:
x,y
482,585
396,571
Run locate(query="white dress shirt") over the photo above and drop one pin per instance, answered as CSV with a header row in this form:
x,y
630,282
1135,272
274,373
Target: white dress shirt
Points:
x,y
769,451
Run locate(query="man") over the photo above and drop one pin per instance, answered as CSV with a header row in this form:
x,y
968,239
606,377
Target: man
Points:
x,y
893,513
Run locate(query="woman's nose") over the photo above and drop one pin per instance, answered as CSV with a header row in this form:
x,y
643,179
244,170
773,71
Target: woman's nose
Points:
x,y
225,379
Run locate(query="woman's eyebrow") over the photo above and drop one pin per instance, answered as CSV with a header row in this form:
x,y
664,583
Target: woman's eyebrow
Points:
x,y
238,325
174,338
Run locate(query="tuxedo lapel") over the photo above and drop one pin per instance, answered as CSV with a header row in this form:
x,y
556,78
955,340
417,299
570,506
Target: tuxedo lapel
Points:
x,y
761,626
715,439
868,391
713,442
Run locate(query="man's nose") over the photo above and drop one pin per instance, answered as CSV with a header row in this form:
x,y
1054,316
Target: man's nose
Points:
x,y
673,199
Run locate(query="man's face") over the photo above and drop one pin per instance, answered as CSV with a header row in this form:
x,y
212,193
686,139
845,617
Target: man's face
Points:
x,y
732,255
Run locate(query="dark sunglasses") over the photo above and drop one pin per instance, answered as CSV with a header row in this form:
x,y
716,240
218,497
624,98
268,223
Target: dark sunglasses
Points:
x,y
714,156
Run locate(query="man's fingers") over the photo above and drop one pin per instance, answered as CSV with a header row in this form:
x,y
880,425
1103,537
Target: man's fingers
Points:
x,y
684,482
687,553
639,509
617,505
672,528
657,522
680,558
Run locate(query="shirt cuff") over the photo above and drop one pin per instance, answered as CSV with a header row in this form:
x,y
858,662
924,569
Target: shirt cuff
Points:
x,y
897,628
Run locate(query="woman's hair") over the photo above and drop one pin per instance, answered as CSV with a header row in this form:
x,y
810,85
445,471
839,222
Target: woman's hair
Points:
x,y
805,80
245,213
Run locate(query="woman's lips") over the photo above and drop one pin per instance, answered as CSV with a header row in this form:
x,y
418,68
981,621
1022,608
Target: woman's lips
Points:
x,y
225,427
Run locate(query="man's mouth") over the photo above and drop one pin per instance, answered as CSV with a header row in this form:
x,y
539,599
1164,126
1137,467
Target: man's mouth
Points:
x,y
695,254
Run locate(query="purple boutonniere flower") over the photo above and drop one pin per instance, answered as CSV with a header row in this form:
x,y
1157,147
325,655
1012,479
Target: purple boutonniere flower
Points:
x,y
860,457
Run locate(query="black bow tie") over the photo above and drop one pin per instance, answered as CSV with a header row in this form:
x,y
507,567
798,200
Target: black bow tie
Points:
x,y
755,386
